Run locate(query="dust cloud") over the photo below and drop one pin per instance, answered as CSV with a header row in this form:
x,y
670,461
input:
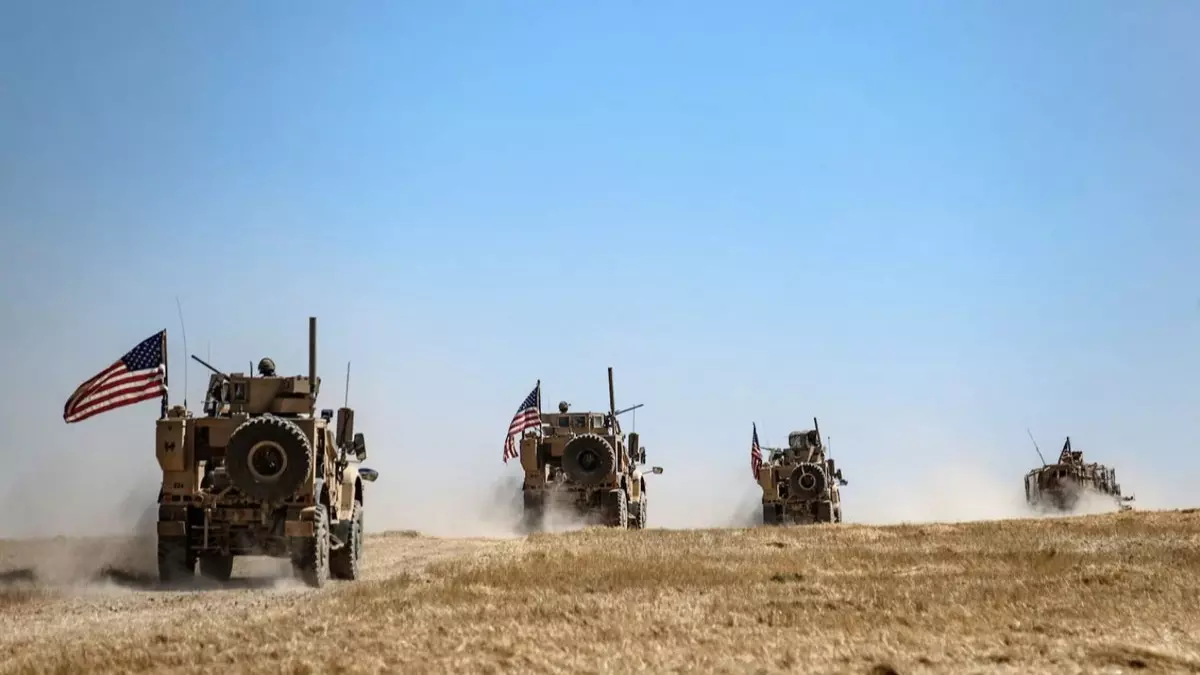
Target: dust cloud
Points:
x,y
121,549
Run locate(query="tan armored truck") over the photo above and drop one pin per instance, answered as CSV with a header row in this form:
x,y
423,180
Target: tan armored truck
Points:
x,y
261,474
584,463
1060,486
800,484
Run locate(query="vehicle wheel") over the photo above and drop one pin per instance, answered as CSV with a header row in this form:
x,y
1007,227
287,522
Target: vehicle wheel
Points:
x,y
216,567
587,459
617,509
533,512
639,516
311,554
176,561
768,514
268,457
823,512
344,562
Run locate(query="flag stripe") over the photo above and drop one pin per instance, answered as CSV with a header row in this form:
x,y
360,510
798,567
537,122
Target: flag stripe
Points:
x,y
119,387
116,397
137,376
92,412
1065,456
755,454
528,416
83,389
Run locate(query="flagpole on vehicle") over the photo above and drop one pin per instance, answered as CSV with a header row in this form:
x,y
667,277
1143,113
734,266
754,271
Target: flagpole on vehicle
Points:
x,y
166,369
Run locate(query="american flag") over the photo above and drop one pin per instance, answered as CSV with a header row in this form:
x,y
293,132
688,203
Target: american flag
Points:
x,y
137,376
755,454
529,415
1065,455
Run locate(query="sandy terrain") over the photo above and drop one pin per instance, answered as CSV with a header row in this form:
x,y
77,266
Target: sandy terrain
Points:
x,y
1097,594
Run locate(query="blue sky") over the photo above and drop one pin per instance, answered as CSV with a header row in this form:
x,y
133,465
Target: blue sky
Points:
x,y
932,230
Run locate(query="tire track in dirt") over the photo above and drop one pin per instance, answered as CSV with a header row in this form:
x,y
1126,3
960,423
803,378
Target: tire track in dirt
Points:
x,y
70,589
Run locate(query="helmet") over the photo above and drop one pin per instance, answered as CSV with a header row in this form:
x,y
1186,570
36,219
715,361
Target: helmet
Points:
x,y
266,367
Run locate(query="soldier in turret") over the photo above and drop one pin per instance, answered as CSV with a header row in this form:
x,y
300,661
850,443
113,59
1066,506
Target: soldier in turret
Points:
x,y
266,367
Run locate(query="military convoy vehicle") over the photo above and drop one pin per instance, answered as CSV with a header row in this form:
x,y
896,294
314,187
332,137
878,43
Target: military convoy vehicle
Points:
x,y
584,463
1060,486
261,474
800,484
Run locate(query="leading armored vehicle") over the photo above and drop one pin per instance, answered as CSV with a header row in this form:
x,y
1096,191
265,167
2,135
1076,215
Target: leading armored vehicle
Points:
x,y
1059,487
261,473
582,462
800,484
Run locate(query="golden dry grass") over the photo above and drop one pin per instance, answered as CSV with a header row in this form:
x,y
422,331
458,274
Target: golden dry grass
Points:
x,y
1113,593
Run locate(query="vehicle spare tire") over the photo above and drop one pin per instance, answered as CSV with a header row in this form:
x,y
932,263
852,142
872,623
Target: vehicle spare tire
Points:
x,y
588,459
807,481
268,458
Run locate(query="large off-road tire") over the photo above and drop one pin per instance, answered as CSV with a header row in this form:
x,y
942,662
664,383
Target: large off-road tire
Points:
x,y
769,517
807,481
533,512
823,512
310,555
268,457
616,508
344,562
216,567
176,562
637,514
587,459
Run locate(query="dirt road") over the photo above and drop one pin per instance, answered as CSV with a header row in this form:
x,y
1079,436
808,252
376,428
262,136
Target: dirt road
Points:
x,y
56,595
1107,593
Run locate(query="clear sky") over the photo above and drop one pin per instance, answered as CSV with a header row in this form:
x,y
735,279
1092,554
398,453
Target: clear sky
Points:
x,y
930,229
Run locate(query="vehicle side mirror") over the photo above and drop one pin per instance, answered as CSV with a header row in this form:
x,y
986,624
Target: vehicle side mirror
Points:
x,y
657,469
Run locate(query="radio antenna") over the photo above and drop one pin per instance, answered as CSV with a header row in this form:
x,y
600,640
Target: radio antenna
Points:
x,y
183,328
347,396
1036,448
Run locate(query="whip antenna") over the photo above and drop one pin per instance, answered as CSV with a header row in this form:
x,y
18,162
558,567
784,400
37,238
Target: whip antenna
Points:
x,y
1036,448
183,328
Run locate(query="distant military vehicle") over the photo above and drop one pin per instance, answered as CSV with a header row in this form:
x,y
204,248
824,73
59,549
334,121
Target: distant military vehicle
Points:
x,y
1060,486
800,484
261,474
584,463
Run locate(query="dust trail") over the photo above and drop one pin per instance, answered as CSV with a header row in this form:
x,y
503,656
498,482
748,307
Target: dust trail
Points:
x,y
80,561
700,496
446,505
562,518
122,563
956,492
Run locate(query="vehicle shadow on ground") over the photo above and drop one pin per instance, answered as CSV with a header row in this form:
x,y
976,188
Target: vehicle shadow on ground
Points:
x,y
142,581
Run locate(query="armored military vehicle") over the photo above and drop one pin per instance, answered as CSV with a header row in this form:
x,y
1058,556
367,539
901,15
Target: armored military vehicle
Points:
x,y
1060,486
800,484
261,474
584,463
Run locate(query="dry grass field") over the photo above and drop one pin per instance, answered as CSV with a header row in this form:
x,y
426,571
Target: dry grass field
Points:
x,y
1095,594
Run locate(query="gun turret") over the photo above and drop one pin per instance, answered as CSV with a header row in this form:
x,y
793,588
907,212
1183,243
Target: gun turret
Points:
x,y
210,367
287,396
